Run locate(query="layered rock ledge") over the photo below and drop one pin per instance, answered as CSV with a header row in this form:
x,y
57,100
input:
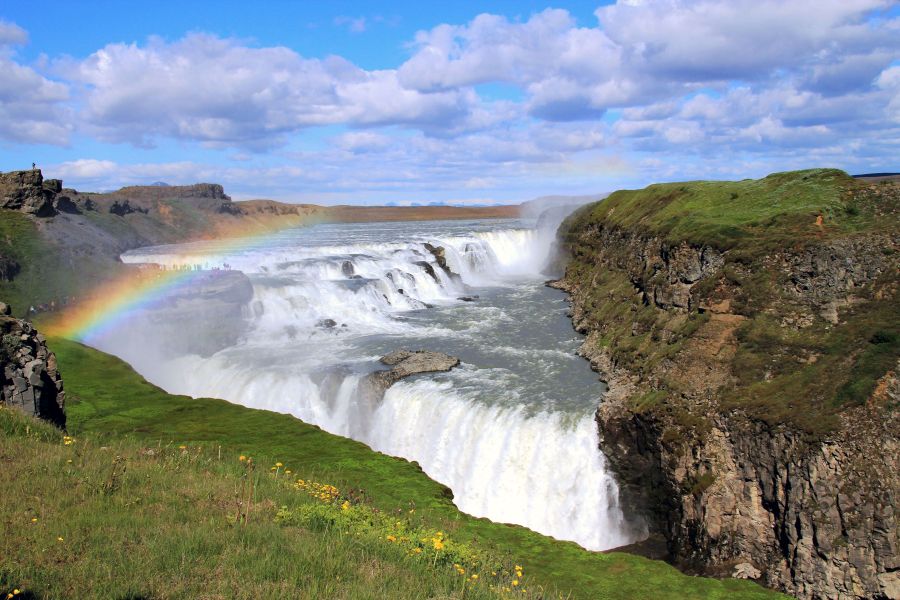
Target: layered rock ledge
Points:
x,y
748,332
29,377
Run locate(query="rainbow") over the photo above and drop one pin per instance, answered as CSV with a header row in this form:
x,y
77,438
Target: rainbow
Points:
x,y
114,302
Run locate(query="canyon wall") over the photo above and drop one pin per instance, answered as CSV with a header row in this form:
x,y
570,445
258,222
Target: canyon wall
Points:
x,y
752,416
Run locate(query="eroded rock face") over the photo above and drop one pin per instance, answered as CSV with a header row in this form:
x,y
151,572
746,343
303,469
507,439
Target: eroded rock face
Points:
x,y
735,496
29,377
25,191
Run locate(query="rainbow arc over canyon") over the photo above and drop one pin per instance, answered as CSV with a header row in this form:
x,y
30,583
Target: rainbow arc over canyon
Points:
x,y
112,303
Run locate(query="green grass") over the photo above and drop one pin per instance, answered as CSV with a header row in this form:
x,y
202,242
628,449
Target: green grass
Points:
x,y
753,214
46,274
38,280
162,529
122,519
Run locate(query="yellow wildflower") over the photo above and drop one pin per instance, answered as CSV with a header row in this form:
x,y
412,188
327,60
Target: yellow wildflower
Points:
x,y
182,447
34,519
287,471
418,550
391,538
345,505
59,539
438,544
279,465
242,458
515,582
474,576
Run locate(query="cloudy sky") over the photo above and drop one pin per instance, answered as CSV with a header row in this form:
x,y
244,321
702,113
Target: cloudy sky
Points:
x,y
364,102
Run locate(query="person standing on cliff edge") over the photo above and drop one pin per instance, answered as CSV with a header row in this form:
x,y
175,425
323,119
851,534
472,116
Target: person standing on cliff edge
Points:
x,y
33,166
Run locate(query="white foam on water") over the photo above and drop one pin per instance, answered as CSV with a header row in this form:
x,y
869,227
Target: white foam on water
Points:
x,y
313,304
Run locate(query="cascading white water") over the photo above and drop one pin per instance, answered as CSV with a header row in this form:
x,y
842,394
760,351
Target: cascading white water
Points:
x,y
510,432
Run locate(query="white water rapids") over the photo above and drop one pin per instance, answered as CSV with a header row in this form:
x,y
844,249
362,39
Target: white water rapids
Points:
x,y
510,431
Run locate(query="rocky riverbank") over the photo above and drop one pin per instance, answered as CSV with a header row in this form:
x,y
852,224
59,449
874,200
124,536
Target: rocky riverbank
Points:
x,y
748,334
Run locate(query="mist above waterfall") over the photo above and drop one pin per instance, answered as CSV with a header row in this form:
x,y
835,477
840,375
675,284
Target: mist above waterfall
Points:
x,y
511,431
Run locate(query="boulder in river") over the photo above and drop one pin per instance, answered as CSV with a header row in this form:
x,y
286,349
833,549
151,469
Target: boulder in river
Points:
x,y
440,255
405,363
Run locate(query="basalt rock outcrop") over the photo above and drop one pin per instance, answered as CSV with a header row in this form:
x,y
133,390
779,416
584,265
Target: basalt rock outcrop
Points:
x,y
26,191
29,377
752,416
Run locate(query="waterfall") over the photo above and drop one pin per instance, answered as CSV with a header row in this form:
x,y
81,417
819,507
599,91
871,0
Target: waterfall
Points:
x,y
501,431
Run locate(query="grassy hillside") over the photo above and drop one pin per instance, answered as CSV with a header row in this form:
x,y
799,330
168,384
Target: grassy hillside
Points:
x,y
173,511
42,277
789,365
753,214
123,519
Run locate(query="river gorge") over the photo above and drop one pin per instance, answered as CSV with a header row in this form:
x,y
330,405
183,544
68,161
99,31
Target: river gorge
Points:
x,y
511,431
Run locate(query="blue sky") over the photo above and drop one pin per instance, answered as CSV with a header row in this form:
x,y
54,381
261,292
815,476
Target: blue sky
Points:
x,y
361,102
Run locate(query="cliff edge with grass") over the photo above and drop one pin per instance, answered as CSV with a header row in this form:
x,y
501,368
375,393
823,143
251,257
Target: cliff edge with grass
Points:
x,y
750,332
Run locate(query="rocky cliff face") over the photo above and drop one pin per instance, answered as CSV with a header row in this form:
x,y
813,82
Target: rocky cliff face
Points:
x,y
29,378
26,191
723,421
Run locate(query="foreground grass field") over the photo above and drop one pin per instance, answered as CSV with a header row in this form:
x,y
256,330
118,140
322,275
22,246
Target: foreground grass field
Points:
x,y
142,517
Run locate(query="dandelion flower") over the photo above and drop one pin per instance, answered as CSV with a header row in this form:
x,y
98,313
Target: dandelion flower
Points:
x,y
514,582
59,539
418,550
279,465
287,471
474,576
345,505
34,519
182,447
438,544
391,538
242,458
